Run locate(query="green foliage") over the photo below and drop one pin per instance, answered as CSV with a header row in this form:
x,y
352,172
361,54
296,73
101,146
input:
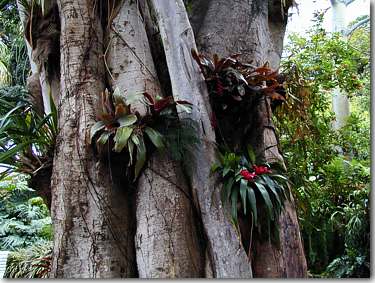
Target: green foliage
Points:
x,y
13,52
31,262
26,138
251,188
325,182
352,219
133,133
24,218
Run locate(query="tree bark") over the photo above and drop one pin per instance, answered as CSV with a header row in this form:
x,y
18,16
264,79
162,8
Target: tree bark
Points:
x,y
87,211
226,254
166,236
256,29
173,224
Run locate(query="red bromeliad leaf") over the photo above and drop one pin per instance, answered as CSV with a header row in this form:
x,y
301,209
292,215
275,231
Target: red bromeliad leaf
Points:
x,y
149,98
276,96
163,103
120,110
183,102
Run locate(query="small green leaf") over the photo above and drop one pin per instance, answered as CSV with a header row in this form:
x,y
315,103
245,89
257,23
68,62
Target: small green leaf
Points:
x,y
103,138
253,203
141,157
117,96
215,167
251,154
121,138
127,120
98,126
155,137
227,189
183,108
226,171
131,149
234,197
266,198
271,185
243,189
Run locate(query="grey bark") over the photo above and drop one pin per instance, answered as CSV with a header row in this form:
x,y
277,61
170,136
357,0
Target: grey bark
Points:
x,y
166,237
92,208
256,30
226,254
87,211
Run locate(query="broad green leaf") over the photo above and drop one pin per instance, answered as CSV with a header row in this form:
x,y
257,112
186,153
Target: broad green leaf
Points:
x,y
253,203
266,198
234,197
226,171
141,157
214,167
98,126
243,189
121,138
131,149
127,120
251,154
103,138
227,189
135,139
183,108
155,137
134,97
117,96
12,152
271,185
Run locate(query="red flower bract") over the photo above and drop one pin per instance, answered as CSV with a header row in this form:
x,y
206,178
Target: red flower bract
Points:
x,y
247,175
261,170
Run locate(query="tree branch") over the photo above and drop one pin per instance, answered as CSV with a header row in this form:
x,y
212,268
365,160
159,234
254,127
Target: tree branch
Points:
x,y
356,26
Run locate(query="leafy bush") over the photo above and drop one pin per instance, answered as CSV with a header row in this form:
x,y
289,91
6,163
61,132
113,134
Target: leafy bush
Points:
x,y
31,262
26,138
24,218
325,182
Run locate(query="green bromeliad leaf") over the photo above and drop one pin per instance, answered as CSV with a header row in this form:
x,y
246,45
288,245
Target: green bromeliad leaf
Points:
x,y
141,156
243,191
103,138
267,199
98,126
234,199
155,137
122,137
127,120
253,203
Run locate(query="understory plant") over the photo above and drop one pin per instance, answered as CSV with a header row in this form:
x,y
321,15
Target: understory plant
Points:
x,y
256,190
31,262
24,217
27,136
124,130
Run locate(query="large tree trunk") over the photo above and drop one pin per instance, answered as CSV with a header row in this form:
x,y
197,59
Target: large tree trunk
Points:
x,y
173,223
225,252
256,29
87,209
166,237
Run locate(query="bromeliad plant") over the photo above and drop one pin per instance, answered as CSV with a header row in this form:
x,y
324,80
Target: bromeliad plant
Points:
x,y
257,190
130,132
231,81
